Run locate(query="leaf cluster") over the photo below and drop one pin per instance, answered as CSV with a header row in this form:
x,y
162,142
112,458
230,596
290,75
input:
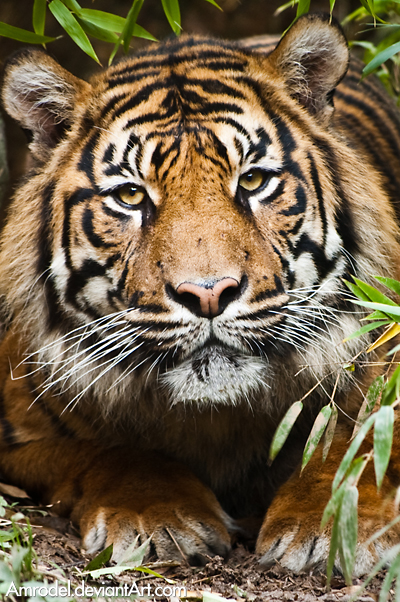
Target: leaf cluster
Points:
x,y
80,24
381,55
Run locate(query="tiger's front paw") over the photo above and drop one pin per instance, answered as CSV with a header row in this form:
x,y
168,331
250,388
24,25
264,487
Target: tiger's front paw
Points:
x,y
291,531
175,531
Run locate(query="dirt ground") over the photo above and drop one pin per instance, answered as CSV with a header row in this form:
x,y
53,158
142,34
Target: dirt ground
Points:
x,y
239,577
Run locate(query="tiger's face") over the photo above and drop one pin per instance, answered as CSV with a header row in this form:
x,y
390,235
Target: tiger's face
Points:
x,y
196,234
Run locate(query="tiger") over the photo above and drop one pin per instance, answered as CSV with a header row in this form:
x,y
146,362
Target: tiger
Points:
x,y
171,277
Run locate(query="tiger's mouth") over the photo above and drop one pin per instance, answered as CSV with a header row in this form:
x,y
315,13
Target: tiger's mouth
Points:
x,y
216,374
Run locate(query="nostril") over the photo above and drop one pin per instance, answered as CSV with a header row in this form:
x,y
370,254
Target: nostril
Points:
x,y
207,300
191,302
228,295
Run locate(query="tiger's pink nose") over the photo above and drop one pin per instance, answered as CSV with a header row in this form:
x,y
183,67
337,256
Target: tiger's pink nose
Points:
x,y
208,301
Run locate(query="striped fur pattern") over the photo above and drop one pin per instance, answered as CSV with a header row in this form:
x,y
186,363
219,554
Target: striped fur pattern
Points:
x,y
176,282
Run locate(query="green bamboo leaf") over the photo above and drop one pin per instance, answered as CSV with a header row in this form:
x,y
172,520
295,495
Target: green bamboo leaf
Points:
x,y
103,22
108,21
333,548
141,32
285,6
392,389
333,506
372,396
130,23
383,439
317,431
97,32
365,329
215,4
351,452
357,292
128,29
392,574
72,27
39,16
100,560
173,14
348,527
389,310
391,283
381,58
302,7
376,315
330,432
373,293
284,428
72,5
331,5
356,15
23,35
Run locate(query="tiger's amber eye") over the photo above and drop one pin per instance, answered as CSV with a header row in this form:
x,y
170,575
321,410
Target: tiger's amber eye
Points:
x,y
131,194
252,180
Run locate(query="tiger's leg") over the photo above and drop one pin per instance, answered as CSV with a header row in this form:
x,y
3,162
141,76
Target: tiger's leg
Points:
x,y
291,530
116,494
112,493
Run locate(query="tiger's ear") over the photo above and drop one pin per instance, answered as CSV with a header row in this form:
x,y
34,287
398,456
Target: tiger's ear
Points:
x,y
41,96
313,57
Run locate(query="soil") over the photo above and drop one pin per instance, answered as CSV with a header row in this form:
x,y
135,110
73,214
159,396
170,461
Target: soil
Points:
x,y
239,577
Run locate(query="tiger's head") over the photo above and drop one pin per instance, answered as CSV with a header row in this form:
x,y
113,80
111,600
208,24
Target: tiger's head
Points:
x,y
189,219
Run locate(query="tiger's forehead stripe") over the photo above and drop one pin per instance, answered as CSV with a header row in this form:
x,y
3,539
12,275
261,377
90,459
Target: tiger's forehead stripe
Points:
x,y
174,53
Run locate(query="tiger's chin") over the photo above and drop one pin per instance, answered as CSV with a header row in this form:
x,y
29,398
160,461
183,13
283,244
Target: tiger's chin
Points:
x,y
217,376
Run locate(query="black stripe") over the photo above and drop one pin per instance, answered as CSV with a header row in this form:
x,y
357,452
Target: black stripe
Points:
x,y
93,237
79,278
318,191
344,217
301,203
390,175
80,196
87,156
259,149
159,158
45,240
374,119
112,103
115,214
109,153
275,194
171,85
372,89
284,133
321,262
215,60
268,294
133,141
